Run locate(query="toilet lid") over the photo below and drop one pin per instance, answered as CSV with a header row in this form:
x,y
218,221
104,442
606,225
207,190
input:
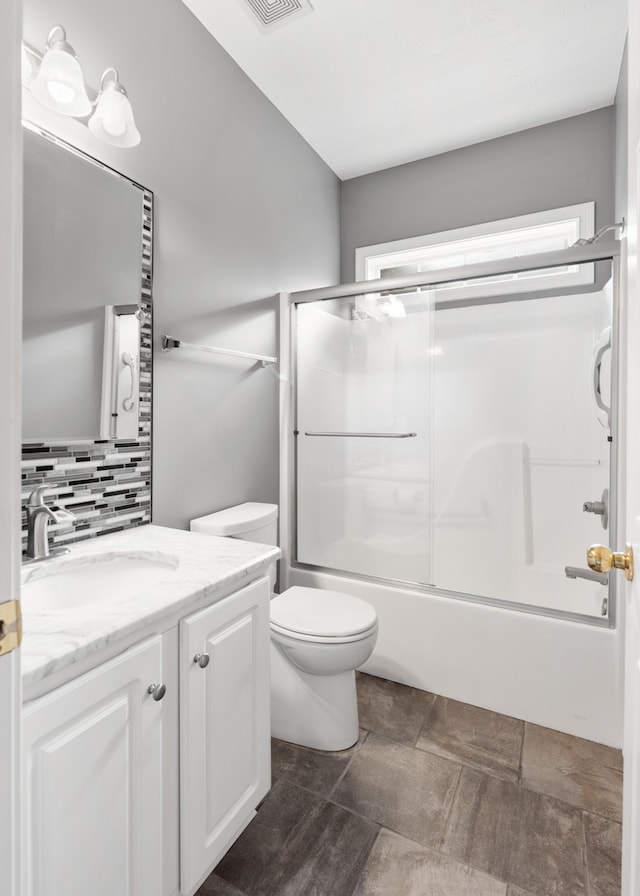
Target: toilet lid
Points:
x,y
315,611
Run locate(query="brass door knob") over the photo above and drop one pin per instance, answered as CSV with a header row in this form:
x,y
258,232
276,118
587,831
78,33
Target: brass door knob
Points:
x,y
602,559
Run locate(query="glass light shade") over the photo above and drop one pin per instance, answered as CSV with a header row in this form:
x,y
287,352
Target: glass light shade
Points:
x,y
59,84
112,120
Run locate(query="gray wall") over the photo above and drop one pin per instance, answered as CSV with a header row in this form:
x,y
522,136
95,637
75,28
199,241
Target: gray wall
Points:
x,y
243,208
546,167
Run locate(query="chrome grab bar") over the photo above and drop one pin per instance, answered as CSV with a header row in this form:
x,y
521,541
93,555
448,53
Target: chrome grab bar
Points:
x,y
575,572
366,435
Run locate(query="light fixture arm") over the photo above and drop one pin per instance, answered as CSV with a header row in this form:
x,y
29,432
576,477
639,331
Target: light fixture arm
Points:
x,y
113,84
109,71
61,43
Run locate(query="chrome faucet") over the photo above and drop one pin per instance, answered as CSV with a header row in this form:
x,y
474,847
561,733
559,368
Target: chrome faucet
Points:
x,y
38,516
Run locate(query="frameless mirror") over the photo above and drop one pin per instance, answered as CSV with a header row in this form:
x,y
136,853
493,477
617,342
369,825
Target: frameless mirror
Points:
x,y
86,295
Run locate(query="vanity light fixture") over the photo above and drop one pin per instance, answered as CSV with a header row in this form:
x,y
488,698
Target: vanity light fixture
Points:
x,y
112,120
59,84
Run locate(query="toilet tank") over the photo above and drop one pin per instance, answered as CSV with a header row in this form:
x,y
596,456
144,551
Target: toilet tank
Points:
x,y
251,522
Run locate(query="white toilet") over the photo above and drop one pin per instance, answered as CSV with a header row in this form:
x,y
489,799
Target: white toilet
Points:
x,y
318,639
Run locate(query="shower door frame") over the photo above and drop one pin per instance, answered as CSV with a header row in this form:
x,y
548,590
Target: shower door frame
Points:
x,y
609,251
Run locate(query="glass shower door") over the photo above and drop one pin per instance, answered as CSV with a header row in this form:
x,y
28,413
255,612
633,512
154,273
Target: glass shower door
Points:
x,y
526,449
364,412
463,445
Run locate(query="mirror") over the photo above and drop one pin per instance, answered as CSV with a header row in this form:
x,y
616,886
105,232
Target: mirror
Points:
x,y
87,295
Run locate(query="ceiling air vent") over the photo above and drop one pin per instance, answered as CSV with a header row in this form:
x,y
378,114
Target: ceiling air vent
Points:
x,y
272,14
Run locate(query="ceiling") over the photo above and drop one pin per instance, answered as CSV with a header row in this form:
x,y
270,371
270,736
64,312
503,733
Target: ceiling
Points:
x,y
374,83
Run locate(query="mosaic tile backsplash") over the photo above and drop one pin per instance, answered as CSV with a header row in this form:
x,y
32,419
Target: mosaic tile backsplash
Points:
x,y
106,484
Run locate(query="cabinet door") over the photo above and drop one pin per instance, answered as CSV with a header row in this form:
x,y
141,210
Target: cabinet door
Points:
x,y
93,782
225,755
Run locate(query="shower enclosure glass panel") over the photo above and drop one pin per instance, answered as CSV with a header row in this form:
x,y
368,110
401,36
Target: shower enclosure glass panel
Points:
x,y
455,444
520,445
363,443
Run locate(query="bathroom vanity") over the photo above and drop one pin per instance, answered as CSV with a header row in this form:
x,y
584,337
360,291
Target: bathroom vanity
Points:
x,y
145,658
146,726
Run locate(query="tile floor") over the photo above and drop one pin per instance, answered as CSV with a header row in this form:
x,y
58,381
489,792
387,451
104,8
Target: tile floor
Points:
x,y
437,798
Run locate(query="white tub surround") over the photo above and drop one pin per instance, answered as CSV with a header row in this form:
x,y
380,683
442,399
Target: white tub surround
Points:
x,y
207,570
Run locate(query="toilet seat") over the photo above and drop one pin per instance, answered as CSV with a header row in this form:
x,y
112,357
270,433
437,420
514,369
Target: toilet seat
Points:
x,y
321,639
316,614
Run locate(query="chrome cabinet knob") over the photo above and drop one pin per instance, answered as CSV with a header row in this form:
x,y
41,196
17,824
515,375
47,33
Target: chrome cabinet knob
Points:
x,y
157,691
202,659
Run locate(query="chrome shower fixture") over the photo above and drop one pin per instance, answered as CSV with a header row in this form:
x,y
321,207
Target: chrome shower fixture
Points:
x,y
596,236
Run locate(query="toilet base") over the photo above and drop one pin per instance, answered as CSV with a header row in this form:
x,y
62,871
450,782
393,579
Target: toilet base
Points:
x,y
318,711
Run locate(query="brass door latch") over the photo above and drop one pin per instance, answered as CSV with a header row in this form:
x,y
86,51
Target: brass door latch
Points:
x,y
10,626
601,559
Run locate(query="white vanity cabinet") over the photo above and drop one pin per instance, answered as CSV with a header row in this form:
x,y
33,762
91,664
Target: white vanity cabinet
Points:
x,y
133,793
225,758
92,781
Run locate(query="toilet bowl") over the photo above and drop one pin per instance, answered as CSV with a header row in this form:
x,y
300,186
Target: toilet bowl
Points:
x,y
318,640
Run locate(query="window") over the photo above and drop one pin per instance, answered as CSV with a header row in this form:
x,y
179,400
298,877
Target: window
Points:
x,y
511,238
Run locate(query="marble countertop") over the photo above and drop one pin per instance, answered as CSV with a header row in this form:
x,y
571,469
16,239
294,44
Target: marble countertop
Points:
x,y
202,566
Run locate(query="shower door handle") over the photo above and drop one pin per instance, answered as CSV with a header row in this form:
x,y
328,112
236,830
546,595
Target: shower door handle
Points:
x,y
603,346
366,435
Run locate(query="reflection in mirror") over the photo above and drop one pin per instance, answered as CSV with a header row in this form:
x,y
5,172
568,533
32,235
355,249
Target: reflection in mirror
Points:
x,y
86,264
120,372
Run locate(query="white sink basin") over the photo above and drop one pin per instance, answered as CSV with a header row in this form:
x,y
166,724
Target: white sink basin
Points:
x,y
68,584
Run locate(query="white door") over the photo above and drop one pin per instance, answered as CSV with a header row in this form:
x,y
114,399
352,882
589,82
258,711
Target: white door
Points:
x,y
10,302
225,726
631,269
